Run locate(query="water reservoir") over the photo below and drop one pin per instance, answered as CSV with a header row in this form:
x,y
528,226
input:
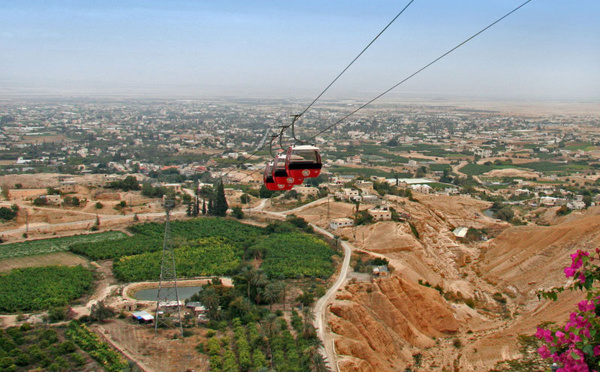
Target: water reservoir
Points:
x,y
149,294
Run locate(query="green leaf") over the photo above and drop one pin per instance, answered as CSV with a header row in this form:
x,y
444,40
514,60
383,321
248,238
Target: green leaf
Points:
x,y
575,356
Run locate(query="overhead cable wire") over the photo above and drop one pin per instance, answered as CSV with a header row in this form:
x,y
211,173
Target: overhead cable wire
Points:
x,y
407,78
354,60
246,158
421,69
330,84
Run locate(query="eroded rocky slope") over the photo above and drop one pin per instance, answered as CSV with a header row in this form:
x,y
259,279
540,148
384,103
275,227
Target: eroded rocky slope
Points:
x,y
389,324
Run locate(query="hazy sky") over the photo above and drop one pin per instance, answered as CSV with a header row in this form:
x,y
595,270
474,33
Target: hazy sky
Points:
x,y
548,50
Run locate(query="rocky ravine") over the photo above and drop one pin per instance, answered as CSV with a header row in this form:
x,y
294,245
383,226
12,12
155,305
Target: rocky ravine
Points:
x,y
389,324
383,323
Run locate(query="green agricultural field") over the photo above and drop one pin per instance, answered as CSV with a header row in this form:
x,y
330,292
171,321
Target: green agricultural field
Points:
x,y
439,185
41,288
118,248
427,149
296,255
42,348
365,172
550,167
44,246
204,257
478,169
586,146
439,167
148,237
110,359
540,166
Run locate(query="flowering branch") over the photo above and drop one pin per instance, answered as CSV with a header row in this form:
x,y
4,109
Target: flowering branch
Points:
x,y
576,346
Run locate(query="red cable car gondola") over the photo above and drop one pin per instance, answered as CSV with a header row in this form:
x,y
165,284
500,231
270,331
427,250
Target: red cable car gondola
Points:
x,y
280,175
268,177
269,181
303,161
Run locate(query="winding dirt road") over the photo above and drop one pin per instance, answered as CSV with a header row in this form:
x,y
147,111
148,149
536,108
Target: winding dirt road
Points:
x,y
320,308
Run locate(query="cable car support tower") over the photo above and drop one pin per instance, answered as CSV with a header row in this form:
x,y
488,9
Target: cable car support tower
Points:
x,y
168,309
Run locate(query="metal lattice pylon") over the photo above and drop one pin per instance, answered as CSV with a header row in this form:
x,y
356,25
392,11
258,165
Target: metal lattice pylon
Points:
x,y
168,307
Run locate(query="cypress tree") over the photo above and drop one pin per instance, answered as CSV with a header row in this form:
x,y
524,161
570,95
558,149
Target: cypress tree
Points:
x,y
196,208
220,204
203,206
211,206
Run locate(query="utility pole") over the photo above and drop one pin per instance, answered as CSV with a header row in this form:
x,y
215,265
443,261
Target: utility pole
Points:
x,y
168,293
26,222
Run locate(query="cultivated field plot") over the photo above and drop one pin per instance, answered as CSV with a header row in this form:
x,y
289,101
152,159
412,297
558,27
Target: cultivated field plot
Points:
x,y
44,246
41,288
61,259
162,353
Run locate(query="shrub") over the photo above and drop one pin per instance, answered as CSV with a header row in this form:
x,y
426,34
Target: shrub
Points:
x,y
576,345
237,212
57,314
7,214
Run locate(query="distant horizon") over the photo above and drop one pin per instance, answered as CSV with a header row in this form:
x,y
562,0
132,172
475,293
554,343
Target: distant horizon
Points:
x,y
545,51
356,98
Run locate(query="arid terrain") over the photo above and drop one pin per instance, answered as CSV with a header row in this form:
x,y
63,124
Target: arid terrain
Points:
x,y
387,323
448,304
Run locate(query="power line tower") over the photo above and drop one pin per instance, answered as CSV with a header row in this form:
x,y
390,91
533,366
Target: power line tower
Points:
x,y
168,309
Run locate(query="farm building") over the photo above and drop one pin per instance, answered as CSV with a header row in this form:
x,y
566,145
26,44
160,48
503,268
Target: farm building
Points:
x,y
142,317
341,222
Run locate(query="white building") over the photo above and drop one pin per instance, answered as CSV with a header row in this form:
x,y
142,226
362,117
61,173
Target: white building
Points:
x,y
341,222
423,189
460,232
349,194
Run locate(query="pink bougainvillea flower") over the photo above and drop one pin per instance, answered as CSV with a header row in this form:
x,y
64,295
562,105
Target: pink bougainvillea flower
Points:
x,y
544,352
586,306
570,272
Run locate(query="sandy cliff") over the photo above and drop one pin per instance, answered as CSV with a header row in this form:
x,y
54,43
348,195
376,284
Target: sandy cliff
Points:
x,y
388,324
384,322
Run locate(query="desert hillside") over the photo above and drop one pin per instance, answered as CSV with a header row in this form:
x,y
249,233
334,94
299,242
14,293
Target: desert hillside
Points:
x,y
486,292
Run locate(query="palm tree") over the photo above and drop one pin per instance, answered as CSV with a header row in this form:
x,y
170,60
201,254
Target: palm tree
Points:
x,y
269,324
210,298
272,293
283,288
247,274
308,315
259,280
318,363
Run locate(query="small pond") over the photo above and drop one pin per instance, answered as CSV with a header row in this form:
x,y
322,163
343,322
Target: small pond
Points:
x,y
489,213
149,294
